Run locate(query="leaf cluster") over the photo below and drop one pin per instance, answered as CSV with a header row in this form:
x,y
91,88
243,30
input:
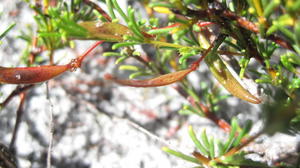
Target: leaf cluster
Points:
x,y
214,152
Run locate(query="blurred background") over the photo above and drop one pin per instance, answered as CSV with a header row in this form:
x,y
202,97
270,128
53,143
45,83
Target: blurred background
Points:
x,y
99,124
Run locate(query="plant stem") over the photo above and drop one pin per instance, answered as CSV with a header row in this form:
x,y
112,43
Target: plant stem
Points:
x,y
82,57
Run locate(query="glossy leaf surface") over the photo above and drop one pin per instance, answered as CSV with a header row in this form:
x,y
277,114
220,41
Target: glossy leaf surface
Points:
x,y
108,31
29,75
154,82
224,76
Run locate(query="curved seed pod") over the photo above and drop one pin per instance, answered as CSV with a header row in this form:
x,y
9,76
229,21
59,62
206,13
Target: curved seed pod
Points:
x,y
224,76
154,82
30,75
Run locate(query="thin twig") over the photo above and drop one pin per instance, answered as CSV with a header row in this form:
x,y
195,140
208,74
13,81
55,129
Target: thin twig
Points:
x,y
247,142
253,28
7,159
241,22
83,56
99,9
19,115
14,93
210,115
49,153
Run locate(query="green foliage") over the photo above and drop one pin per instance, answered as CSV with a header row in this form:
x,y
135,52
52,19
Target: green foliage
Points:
x,y
245,31
7,30
179,35
214,152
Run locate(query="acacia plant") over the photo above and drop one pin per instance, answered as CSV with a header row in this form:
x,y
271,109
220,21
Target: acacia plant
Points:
x,y
237,40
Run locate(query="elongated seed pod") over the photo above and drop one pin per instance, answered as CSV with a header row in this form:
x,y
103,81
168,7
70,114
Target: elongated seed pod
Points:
x,y
224,76
30,75
154,82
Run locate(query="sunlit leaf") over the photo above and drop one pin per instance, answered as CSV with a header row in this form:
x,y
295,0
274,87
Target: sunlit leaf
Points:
x,y
224,76
108,31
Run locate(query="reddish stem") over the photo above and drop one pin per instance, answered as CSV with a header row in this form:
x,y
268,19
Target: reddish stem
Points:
x,y
196,64
82,57
252,27
18,121
152,36
203,24
210,115
245,143
99,9
170,26
14,93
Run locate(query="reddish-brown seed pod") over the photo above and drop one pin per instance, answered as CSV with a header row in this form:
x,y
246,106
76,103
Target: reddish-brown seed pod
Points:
x,y
154,82
160,80
30,75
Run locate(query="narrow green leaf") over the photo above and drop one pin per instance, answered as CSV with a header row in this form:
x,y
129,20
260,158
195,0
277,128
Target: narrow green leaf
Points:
x,y
7,30
129,68
284,59
272,29
293,58
48,34
112,54
132,38
124,44
220,147
297,32
205,139
289,34
269,9
230,140
241,160
196,141
242,134
110,9
121,59
243,63
295,84
212,148
185,112
161,31
117,7
136,31
191,109
137,74
180,155
132,23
